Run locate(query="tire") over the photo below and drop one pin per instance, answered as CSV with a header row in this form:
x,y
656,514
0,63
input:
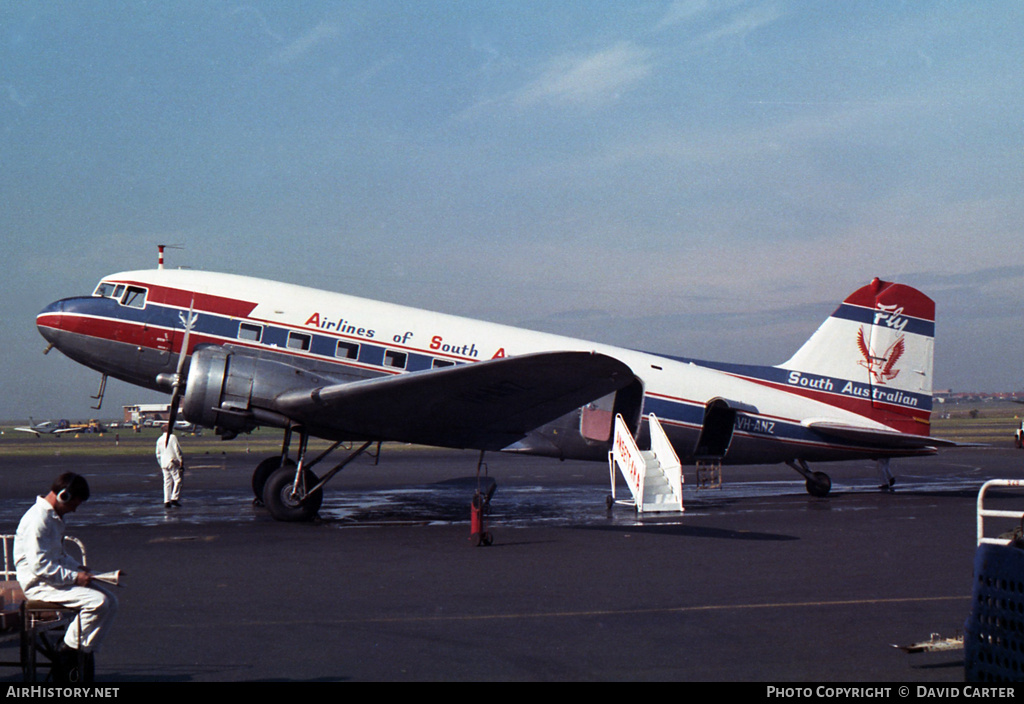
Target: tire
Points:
x,y
819,485
277,495
263,471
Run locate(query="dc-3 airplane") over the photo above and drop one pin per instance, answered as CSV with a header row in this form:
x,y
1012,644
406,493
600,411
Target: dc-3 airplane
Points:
x,y
237,353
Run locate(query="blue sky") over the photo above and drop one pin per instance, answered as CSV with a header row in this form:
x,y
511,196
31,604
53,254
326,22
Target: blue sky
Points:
x,y
706,179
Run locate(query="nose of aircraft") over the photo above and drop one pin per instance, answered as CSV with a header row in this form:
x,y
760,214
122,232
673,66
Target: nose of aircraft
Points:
x,y
49,321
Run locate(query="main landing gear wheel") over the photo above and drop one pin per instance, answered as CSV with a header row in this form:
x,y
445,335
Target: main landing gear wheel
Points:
x,y
263,471
819,484
283,503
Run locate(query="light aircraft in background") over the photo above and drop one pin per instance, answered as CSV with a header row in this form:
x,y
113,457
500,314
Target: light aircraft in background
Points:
x,y
61,427
237,353
47,427
180,425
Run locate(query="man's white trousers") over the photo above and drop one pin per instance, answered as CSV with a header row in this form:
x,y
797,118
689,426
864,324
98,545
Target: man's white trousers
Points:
x,y
97,607
172,484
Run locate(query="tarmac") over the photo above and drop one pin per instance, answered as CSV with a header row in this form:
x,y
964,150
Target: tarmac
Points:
x,y
756,582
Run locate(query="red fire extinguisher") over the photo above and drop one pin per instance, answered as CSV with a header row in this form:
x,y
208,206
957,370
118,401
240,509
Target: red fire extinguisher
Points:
x,y
478,508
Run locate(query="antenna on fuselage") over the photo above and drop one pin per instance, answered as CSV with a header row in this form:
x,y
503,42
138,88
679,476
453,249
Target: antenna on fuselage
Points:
x,y
160,253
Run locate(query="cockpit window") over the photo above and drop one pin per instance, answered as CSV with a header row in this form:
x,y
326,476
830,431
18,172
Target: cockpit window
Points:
x,y
134,297
107,289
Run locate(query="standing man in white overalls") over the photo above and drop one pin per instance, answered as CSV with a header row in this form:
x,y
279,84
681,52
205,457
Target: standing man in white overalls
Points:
x,y
172,464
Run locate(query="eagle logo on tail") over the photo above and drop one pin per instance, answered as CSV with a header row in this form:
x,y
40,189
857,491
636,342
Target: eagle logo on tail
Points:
x,y
881,368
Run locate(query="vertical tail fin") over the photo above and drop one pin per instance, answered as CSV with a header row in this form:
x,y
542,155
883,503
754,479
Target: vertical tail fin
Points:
x,y
873,356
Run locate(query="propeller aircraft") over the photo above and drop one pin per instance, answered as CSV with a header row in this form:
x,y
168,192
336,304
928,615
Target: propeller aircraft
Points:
x,y
236,353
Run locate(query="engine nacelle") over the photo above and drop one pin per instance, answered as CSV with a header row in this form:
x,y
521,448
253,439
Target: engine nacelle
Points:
x,y
234,391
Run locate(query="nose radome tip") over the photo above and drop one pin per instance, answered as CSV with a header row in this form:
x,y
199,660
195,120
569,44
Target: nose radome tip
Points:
x,y
48,321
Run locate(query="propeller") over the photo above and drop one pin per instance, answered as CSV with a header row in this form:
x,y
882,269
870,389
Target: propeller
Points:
x,y
179,381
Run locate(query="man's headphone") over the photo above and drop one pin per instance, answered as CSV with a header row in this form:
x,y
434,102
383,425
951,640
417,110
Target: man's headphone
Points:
x,y
64,495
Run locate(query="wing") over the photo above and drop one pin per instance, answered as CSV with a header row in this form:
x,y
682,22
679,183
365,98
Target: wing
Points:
x,y
890,439
485,405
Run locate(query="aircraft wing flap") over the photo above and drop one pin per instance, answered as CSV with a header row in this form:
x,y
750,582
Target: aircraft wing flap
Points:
x,y
485,405
891,439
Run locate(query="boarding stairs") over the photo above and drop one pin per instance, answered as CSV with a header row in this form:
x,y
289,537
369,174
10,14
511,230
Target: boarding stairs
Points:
x,y
654,477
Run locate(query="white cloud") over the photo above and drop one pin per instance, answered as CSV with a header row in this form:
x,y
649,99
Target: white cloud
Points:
x,y
261,22
720,20
587,80
324,31
682,11
744,23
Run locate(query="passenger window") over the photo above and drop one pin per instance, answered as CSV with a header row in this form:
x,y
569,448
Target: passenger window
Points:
x,y
248,331
395,359
299,341
134,297
347,350
438,363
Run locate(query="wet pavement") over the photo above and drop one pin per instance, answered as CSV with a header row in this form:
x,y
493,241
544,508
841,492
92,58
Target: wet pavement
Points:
x,y
756,581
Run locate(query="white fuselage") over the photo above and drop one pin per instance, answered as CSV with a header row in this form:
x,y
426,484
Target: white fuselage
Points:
x,y
351,338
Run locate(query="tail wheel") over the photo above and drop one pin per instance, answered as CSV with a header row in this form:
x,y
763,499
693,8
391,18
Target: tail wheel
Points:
x,y
286,505
819,484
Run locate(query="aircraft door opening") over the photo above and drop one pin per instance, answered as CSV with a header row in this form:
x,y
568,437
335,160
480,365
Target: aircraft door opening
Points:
x,y
597,419
717,430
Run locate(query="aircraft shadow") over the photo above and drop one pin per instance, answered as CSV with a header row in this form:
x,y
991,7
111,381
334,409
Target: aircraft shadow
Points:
x,y
694,532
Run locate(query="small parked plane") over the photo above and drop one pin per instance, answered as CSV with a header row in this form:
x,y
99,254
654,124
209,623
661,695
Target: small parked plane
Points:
x,y
47,427
61,427
180,425
238,352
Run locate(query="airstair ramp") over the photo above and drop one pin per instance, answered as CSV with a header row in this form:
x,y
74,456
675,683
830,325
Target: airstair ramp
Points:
x,y
654,476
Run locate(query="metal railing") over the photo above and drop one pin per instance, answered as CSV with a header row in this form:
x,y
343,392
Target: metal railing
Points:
x,y
984,513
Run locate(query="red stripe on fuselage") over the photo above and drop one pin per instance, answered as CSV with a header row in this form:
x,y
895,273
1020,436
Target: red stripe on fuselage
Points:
x,y
166,340
915,421
205,302
115,330
819,446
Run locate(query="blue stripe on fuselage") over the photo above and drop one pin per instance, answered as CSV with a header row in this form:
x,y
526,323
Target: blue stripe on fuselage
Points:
x,y
686,416
274,337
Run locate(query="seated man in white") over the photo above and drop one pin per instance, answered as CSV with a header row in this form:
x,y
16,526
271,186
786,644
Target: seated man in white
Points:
x,y
47,573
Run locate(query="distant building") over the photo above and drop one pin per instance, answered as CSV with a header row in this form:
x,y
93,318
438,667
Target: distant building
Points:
x,y
977,396
139,414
